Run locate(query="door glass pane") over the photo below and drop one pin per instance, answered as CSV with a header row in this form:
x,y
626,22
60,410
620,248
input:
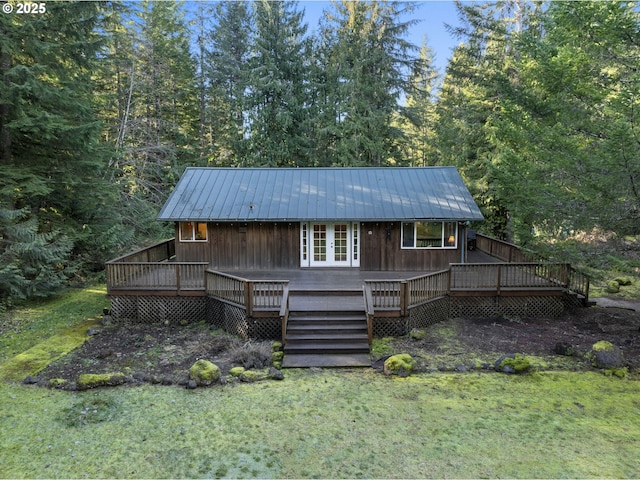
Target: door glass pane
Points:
x,y
340,243
319,243
355,242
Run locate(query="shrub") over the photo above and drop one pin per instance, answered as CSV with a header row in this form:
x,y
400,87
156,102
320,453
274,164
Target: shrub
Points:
x,y
252,354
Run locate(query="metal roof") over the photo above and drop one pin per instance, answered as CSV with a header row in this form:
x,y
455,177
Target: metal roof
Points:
x,y
320,194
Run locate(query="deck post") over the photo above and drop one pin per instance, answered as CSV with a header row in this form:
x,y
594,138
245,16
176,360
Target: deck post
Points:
x,y
499,279
177,279
248,297
404,296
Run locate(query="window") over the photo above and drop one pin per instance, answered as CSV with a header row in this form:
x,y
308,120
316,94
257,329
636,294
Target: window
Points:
x,y
193,232
429,235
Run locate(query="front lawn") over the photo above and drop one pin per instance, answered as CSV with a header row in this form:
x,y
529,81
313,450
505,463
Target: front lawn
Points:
x,y
330,423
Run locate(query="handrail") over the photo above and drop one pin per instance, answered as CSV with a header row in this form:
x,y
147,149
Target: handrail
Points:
x,y
403,295
284,313
158,252
251,295
577,282
505,251
530,275
155,275
369,310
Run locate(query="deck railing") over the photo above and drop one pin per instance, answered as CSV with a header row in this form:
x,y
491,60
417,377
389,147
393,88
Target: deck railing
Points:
x,y
284,313
158,252
576,282
500,276
505,251
369,310
132,276
402,295
251,295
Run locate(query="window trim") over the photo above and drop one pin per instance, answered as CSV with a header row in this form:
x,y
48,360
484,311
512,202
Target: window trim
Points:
x,y
194,229
442,238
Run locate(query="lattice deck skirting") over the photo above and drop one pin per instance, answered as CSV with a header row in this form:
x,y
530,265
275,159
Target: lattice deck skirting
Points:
x,y
158,309
487,307
185,310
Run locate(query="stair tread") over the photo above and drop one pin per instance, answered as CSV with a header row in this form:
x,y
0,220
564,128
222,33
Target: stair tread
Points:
x,y
327,336
309,345
326,360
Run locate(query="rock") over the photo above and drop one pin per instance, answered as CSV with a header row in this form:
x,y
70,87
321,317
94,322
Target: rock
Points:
x,y
612,286
461,368
30,380
204,373
94,380
249,376
191,385
93,331
236,371
623,281
275,374
564,348
277,356
605,355
276,347
401,364
142,377
59,383
512,363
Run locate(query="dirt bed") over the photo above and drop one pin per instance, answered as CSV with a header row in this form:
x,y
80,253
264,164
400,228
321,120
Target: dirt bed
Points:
x,y
163,354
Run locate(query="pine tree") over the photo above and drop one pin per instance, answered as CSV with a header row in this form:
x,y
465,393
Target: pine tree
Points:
x,y
419,114
156,107
49,140
368,61
227,73
278,86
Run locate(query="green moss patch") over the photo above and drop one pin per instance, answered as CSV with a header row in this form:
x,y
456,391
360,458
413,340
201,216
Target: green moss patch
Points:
x,y
94,380
39,356
204,373
401,364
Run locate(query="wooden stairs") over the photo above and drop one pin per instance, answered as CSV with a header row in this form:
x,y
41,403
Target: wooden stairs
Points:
x,y
326,329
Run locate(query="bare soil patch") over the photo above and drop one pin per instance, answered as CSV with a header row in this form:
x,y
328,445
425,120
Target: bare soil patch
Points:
x,y
163,354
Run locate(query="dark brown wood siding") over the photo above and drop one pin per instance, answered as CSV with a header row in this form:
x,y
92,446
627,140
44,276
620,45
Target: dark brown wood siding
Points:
x,y
277,246
381,250
245,246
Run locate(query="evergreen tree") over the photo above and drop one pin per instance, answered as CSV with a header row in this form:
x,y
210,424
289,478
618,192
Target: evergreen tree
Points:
x,y
419,114
228,78
157,109
567,130
479,74
279,86
368,61
51,188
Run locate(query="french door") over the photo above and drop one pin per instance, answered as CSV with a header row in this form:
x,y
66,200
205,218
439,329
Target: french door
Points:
x,y
330,244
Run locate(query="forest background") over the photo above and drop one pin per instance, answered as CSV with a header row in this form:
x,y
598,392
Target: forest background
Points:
x,y
104,104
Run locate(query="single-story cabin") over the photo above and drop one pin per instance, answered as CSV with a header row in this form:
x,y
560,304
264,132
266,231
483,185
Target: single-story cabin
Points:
x,y
373,219
327,258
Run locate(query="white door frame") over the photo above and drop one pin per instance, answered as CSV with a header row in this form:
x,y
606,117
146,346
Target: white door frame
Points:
x,y
325,244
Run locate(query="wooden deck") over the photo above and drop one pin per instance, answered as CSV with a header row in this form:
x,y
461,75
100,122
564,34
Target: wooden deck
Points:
x,y
328,316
